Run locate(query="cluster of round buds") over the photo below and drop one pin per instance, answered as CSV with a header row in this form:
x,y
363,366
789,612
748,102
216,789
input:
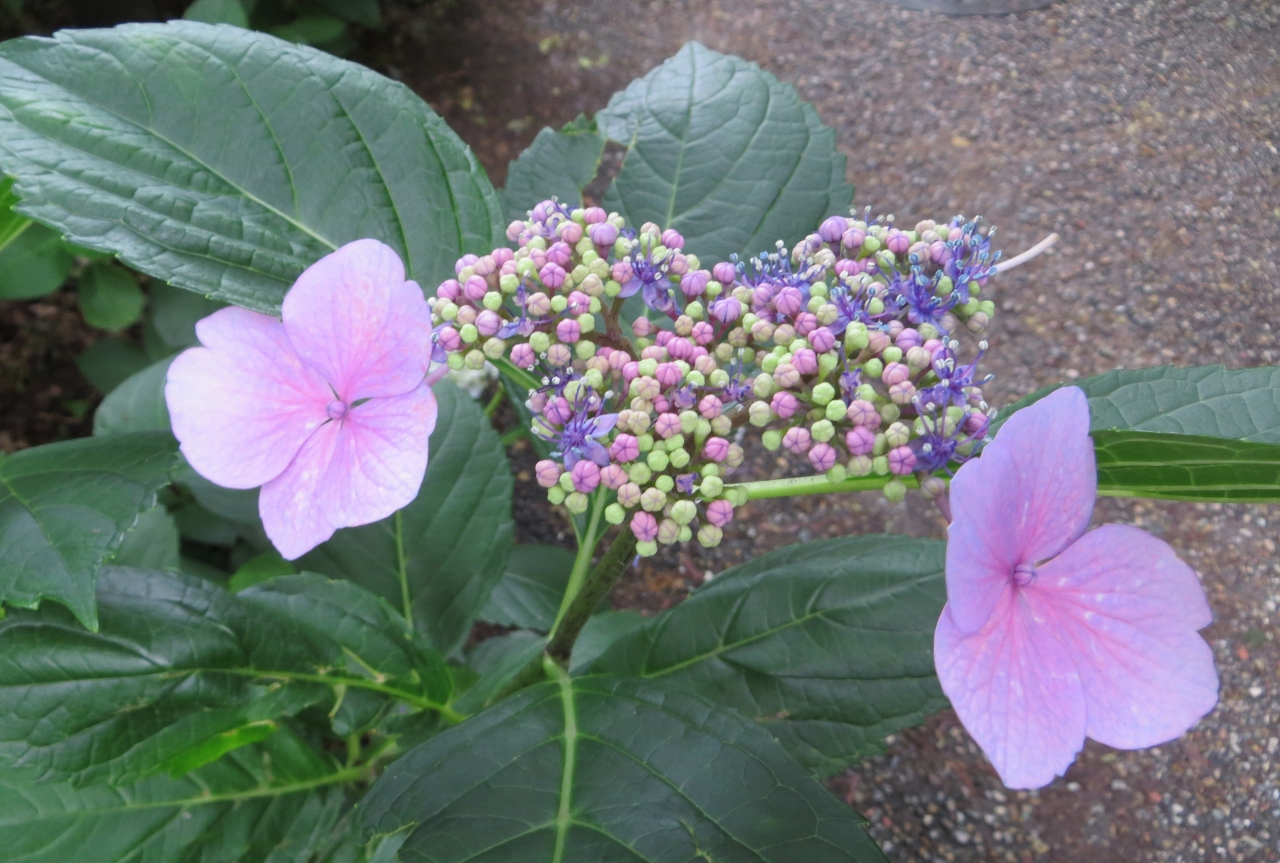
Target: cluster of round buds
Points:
x,y
841,351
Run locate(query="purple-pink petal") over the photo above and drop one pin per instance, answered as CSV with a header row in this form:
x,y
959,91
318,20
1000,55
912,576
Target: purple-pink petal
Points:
x,y
243,403
1026,499
353,317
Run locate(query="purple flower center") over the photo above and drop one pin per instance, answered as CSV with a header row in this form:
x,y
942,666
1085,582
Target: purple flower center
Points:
x,y
336,409
1024,574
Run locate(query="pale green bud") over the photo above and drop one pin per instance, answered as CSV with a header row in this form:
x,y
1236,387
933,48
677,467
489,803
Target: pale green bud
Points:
x,y
880,465
770,364
455,362
492,301
760,414
576,502
890,412
584,350
494,348
837,473
710,469
566,481
764,386
721,425
860,465
556,495
509,283
694,310
686,534
559,303
679,458
614,514
469,333
639,473
702,430
683,511
823,431
648,367
772,439
892,354
475,360
836,410
897,434
709,536
657,460
688,421
655,499
710,487
873,367
664,483
594,379
895,490
645,442
646,549
695,378
673,443
816,303
822,394
540,341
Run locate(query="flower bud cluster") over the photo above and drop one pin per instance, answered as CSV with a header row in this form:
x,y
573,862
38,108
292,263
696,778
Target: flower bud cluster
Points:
x,y
841,351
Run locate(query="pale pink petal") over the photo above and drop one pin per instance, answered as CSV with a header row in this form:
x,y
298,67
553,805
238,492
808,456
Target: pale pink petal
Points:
x,y
243,404
1016,690
1027,497
290,505
1130,611
380,458
355,319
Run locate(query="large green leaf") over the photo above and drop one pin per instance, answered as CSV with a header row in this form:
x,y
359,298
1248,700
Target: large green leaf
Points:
x,y
110,361
109,296
723,152
442,554
557,164
225,161
1205,433
182,671
604,769
137,404
152,543
33,262
531,588
829,644
275,802
65,506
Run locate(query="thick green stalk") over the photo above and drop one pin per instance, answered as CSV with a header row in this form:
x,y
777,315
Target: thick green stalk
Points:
x,y
586,548
796,486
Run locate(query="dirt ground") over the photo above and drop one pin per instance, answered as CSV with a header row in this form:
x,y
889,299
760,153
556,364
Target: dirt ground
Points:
x,y
1147,134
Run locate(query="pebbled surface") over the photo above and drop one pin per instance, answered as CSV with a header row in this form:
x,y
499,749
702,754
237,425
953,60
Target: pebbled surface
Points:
x,y
1145,132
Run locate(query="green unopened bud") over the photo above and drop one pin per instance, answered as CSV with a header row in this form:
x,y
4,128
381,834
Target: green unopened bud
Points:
x,y
769,364
710,487
673,443
749,319
447,311
526,268
890,412
763,387
714,289
895,490
860,465
760,414
540,341
688,421
455,362
819,289
870,245
686,534
655,499
929,331
880,465
736,495
892,354
683,511
679,458
836,473
827,364
695,311
822,394
815,303
648,367
866,392
702,430
875,306
566,481
612,288
559,303
657,460
587,322
879,445
576,503
614,514
639,473
664,483
584,349
987,307
644,441
469,333
646,549
719,377
492,301
873,367
856,337
897,434
772,439
556,495
721,425
709,536
944,287
836,410
823,431
494,348
509,283
668,531
475,360
594,379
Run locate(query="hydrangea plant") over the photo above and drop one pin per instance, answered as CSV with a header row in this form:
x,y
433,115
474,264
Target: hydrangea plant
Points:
x,y
236,619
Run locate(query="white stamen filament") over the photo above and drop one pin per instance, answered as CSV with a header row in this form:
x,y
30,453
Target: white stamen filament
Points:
x,y
1038,249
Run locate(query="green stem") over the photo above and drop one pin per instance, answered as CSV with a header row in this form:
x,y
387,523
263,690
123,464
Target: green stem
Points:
x,y
582,562
450,715
514,435
796,486
495,401
402,573
517,374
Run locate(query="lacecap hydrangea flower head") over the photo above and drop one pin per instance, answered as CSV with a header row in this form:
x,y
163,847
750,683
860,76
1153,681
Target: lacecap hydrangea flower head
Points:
x,y
328,408
1052,632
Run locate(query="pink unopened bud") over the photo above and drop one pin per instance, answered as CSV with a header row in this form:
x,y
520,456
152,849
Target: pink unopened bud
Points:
x,y
538,305
502,256
603,233
806,322
547,472
522,356
822,340
863,413
703,333
558,410
895,373
668,375
612,476
594,215
585,475
485,266
902,393
570,232
663,337
538,402
621,272
726,309
822,457
488,323
667,425
629,495
630,370
908,339
860,440
877,342
677,264
661,405
579,303
644,526
568,331
976,424
724,273
624,448
787,375
797,440
902,460
710,407
552,275
716,449
833,228
693,284
853,239
642,327
939,253
449,339
846,267
618,360
449,290
671,239
560,253
720,512
475,289
805,361
514,230
681,348
645,387
898,242
654,352
466,315
788,301
705,363
784,404
464,262
559,356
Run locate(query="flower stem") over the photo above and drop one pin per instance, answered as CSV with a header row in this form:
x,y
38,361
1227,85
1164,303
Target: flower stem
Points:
x,y
402,574
581,563
801,485
495,401
517,374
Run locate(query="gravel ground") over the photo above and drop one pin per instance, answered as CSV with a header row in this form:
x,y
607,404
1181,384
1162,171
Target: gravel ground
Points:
x,y
1146,134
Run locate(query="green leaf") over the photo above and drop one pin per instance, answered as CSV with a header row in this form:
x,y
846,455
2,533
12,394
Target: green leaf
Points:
x,y
180,662
64,507
602,630
557,164
601,768
218,12
33,263
723,152
110,361
174,313
152,543
11,224
275,802
363,12
1205,433
312,30
451,543
110,298
531,589
496,661
260,568
225,161
829,644
137,404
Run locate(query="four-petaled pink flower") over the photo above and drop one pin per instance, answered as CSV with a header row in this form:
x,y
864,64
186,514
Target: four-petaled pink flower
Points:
x,y
329,409
1052,634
